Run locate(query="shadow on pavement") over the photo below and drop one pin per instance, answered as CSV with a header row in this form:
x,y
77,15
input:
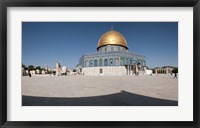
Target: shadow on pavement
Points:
x,y
122,98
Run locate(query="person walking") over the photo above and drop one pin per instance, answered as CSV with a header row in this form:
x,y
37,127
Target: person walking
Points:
x,y
175,75
29,74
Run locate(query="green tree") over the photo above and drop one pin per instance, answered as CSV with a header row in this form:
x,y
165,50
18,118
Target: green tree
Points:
x,y
31,67
38,67
23,66
175,70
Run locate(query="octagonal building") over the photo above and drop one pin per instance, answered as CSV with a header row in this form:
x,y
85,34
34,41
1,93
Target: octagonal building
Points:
x,y
112,58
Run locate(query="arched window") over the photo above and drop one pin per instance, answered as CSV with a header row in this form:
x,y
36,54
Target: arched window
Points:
x,y
134,62
118,48
100,62
143,63
116,61
138,64
91,63
106,62
95,63
111,62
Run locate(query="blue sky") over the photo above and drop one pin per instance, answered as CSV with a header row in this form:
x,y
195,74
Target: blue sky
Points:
x,y
45,43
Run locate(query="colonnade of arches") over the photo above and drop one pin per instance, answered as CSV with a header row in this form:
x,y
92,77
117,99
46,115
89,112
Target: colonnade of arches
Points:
x,y
111,62
111,48
102,62
163,71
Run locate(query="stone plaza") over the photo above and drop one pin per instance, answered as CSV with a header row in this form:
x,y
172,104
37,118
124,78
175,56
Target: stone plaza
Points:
x,y
81,90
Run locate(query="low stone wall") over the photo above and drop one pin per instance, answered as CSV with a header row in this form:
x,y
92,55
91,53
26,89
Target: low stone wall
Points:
x,y
110,71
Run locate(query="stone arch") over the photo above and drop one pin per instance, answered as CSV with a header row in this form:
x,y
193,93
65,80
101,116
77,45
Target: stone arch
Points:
x,y
142,62
111,62
105,49
105,62
95,63
116,61
134,62
138,64
100,62
91,63
118,48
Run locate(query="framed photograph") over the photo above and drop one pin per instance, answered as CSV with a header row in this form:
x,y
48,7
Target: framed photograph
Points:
x,y
99,63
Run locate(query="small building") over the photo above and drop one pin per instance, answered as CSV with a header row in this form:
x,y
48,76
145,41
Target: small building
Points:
x,y
32,72
43,72
37,71
64,70
164,70
148,71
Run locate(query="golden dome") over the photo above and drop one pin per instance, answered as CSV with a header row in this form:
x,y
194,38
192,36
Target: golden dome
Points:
x,y
112,37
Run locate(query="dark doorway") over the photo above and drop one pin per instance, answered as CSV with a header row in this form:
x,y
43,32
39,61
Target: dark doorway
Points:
x,y
101,70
